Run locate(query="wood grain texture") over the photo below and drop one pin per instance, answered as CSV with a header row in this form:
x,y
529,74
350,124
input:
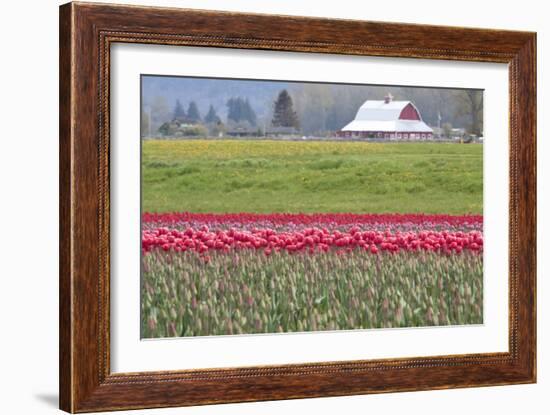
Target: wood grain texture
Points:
x,y
65,246
86,33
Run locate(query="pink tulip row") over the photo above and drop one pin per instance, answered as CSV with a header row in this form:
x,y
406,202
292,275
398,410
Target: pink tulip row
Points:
x,y
282,222
309,240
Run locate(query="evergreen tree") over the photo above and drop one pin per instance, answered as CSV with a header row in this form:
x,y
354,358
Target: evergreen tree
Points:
x,y
212,117
233,110
179,112
284,114
164,129
193,115
239,109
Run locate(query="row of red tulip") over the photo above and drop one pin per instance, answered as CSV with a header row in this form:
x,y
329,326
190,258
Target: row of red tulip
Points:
x,y
311,239
315,219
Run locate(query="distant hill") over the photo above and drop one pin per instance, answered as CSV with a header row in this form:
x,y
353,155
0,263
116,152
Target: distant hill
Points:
x,y
216,92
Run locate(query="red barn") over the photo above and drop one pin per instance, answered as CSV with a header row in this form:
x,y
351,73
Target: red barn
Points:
x,y
388,119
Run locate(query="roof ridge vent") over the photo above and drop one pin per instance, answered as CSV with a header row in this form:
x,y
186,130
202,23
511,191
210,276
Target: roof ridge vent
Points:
x,y
388,98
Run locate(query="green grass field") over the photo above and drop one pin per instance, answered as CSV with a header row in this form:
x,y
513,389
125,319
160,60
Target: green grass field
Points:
x,y
276,176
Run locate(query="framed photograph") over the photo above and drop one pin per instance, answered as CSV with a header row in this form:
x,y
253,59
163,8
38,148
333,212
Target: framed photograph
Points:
x,y
258,207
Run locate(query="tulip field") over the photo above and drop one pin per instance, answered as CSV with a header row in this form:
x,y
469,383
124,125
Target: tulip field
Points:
x,y
208,274
226,262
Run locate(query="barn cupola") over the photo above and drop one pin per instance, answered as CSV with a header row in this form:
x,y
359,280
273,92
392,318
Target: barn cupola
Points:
x,y
388,98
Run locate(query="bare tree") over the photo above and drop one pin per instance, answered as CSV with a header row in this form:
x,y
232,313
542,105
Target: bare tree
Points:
x,y
470,104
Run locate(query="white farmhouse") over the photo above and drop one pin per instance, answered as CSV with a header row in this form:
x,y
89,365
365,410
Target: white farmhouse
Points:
x,y
388,119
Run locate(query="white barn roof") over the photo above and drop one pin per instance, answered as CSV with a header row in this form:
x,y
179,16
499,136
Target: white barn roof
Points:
x,y
389,126
383,116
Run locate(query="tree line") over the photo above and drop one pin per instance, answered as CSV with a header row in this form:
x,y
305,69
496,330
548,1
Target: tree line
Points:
x,y
325,108
240,114
320,109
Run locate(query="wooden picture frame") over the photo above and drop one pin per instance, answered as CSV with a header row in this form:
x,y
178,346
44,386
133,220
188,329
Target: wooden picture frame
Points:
x,y
86,33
